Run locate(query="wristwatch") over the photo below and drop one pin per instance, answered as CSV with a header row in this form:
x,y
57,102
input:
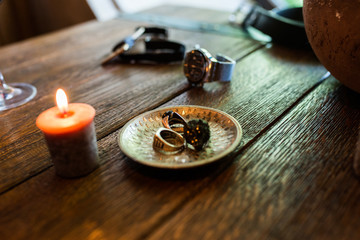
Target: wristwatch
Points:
x,y
201,67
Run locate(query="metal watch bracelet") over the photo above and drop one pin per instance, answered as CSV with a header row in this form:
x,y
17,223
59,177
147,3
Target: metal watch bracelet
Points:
x,y
221,69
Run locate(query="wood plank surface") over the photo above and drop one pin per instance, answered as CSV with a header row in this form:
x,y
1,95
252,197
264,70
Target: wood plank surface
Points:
x,y
117,92
129,202
290,178
295,182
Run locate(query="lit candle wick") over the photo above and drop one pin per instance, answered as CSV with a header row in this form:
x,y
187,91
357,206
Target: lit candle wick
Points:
x,y
62,102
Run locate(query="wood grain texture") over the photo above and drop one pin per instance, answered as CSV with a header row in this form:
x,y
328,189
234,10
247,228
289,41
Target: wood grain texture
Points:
x,y
295,182
114,202
264,85
291,177
70,60
128,202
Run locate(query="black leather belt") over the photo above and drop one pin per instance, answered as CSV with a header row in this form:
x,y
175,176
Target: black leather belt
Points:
x,y
158,50
283,26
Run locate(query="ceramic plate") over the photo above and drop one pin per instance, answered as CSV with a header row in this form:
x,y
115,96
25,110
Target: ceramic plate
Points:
x,y
136,138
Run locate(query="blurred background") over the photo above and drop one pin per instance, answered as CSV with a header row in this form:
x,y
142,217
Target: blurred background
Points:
x,y
21,19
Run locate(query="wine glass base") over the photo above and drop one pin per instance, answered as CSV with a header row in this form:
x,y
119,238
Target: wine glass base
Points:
x,y
23,93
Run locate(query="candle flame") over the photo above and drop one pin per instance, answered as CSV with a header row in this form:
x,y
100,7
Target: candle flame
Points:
x,y
62,101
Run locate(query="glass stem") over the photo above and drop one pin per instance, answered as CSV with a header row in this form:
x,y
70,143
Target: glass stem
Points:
x,y
6,91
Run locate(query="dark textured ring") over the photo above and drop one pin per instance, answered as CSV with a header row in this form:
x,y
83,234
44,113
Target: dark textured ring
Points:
x,y
197,133
173,120
167,141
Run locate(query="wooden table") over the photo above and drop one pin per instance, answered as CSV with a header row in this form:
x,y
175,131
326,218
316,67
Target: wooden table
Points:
x,y
290,178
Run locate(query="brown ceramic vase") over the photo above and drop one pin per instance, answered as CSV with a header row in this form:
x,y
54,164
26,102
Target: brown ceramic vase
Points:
x,y
333,30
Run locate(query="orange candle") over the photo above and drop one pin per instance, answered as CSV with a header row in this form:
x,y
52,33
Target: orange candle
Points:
x,y
70,135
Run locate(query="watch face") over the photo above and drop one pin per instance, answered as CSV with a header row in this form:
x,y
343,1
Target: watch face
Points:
x,y
195,66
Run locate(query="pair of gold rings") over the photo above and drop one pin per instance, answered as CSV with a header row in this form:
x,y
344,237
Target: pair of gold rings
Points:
x,y
176,132
168,139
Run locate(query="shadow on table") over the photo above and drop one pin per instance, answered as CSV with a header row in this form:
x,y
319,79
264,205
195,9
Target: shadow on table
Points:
x,y
293,54
211,169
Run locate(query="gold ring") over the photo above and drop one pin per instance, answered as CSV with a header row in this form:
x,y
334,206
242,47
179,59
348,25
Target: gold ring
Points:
x,y
167,141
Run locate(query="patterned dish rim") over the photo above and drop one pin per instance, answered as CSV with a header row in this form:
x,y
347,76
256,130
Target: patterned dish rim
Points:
x,y
192,164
